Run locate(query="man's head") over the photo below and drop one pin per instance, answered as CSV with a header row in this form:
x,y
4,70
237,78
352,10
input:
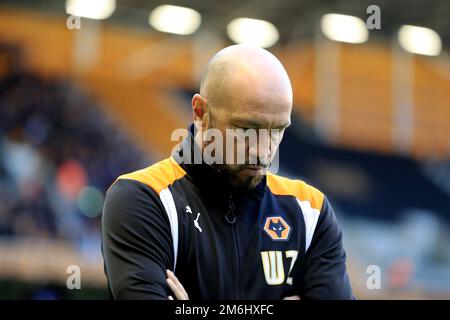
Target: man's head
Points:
x,y
244,87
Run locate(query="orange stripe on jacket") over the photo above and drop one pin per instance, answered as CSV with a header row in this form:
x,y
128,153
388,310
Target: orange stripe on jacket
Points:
x,y
157,176
288,187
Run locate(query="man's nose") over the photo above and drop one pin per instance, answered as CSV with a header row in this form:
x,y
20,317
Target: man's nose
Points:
x,y
260,152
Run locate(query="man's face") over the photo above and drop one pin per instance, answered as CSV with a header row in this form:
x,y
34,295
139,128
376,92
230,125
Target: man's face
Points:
x,y
255,126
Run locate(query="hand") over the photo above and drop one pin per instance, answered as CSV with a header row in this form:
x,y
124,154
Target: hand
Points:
x,y
181,294
176,287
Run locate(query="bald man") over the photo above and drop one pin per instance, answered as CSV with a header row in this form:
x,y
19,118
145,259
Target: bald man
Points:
x,y
210,221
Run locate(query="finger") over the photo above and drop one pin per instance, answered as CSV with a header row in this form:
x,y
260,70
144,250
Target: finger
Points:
x,y
177,282
295,297
179,294
176,291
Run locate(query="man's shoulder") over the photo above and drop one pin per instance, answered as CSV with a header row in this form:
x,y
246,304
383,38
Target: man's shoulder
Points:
x,y
132,207
137,194
280,185
157,176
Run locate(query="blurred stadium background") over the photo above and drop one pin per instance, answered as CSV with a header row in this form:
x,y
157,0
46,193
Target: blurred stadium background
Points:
x,y
82,101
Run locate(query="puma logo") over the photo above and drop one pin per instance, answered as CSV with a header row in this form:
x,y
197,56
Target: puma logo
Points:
x,y
196,224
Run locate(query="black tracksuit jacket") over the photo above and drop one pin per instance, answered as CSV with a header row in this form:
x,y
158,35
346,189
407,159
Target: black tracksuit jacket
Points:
x,y
280,239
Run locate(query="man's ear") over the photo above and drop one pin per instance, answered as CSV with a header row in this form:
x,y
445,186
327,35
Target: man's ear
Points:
x,y
199,109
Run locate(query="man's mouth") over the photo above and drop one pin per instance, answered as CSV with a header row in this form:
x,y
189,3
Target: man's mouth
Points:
x,y
254,170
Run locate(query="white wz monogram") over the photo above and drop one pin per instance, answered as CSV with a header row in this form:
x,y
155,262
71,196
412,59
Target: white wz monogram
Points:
x,y
274,266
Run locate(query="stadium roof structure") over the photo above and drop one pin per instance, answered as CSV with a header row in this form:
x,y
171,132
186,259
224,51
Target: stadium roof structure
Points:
x,y
295,19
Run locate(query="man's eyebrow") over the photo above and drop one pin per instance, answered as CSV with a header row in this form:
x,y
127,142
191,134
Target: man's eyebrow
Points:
x,y
249,123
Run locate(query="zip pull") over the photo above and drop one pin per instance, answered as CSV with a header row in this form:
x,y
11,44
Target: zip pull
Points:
x,y
230,216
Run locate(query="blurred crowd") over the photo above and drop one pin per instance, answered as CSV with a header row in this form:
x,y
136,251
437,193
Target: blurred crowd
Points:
x,y
58,155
